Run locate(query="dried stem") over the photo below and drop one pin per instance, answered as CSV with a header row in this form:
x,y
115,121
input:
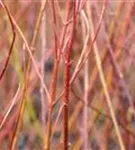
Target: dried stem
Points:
x,y
86,33
53,88
28,64
13,102
106,92
54,77
43,47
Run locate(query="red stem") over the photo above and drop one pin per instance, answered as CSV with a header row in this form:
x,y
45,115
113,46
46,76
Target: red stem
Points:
x,y
12,43
67,82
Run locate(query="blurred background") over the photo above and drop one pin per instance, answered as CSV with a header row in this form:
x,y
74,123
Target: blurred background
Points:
x,y
89,115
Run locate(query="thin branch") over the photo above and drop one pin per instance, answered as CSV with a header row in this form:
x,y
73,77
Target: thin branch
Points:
x,y
101,113
86,33
67,79
104,84
12,43
42,62
57,119
22,102
82,59
13,102
32,58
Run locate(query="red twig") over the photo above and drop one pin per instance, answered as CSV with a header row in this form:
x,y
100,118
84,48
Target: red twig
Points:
x,y
12,43
67,82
